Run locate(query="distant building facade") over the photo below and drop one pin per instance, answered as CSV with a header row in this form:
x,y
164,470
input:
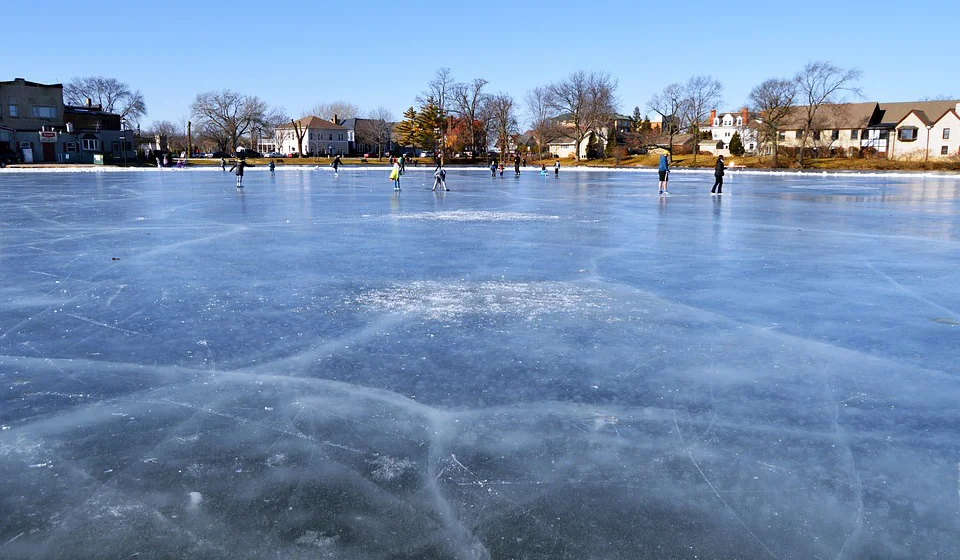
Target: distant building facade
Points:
x,y
38,127
320,137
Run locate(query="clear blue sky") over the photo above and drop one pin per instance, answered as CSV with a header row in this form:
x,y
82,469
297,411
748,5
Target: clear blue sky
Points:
x,y
294,54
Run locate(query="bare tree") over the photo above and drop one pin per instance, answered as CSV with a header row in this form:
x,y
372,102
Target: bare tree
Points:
x,y
503,119
585,100
468,104
773,100
438,93
702,93
340,110
670,104
228,113
821,83
542,123
375,130
111,94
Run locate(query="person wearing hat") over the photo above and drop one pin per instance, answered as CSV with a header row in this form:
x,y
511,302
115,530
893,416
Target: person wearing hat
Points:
x,y
718,173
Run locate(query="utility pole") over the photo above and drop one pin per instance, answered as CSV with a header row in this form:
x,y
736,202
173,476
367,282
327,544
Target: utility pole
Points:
x,y
189,147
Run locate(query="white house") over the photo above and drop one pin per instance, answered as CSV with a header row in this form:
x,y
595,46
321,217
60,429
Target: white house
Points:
x,y
722,127
921,136
320,137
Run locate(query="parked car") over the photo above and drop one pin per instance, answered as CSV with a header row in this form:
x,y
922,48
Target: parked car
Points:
x,y
275,155
249,153
426,154
6,158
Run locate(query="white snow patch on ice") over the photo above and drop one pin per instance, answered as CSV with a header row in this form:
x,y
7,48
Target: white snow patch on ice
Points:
x,y
477,216
451,300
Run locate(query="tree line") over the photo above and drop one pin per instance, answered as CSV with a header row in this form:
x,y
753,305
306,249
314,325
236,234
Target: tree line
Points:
x,y
465,116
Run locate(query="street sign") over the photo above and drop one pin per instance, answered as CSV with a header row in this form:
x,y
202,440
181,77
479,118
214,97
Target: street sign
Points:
x,y
48,137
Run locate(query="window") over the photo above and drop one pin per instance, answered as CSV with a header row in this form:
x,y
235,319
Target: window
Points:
x,y
946,134
14,111
907,134
835,135
782,136
91,145
340,137
799,134
739,121
70,147
854,134
716,121
331,137
944,150
116,147
44,112
816,134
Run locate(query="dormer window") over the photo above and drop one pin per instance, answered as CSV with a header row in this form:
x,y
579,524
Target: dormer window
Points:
x,y
739,121
716,121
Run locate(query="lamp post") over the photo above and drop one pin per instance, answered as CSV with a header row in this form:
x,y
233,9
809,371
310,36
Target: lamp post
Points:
x,y
926,157
123,141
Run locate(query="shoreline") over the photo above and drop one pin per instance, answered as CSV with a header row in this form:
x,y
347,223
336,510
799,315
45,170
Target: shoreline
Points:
x,y
90,168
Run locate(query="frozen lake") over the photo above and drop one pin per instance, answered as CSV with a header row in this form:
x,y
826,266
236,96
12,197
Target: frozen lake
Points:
x,y
529,368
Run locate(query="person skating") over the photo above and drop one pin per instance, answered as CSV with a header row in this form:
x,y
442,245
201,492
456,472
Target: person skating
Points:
x,y
543,170
516,165
664,171
395,175
493,169
718,173
403,164
336,165
239,166
273,167
223,164
440,178
556,169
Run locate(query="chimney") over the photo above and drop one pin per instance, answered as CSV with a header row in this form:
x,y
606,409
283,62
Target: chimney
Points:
x,y
745,115
335,119
713,115
89,102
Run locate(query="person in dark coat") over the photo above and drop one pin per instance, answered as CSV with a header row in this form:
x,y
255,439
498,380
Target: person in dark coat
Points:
x,y
516,165
336,165
239,166
718,173
493,169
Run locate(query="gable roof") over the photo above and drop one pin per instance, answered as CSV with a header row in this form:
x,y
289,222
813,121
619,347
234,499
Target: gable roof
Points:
x,y
893,113
840,115
313,122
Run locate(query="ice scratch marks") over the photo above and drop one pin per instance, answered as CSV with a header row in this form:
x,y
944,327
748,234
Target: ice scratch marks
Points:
x,y
953,314
99,324
114,296
13,539
854,473
719,496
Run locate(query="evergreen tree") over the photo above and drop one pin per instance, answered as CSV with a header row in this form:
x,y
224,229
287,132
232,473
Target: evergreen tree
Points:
x,y
407,128
736,145
611,145
428,122
637,120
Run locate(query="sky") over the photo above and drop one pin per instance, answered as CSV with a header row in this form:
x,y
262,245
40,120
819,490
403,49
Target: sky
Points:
x,y
374,53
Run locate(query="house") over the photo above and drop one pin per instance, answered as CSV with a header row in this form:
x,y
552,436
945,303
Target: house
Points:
x,y
361,134
722,127
922,136
909,130
562,146
35,123
320,137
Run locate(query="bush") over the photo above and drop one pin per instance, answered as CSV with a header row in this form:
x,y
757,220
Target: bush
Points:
x,y
736,145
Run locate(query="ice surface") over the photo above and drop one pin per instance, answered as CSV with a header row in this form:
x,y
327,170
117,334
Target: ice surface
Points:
x,y
535,368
